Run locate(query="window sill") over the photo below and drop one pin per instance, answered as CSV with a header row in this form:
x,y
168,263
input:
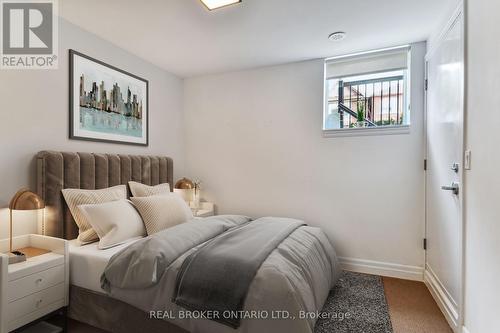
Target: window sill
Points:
x,y
385,130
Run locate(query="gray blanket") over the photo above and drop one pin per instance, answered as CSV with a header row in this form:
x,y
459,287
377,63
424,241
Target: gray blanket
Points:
x,y
296,277
229,263
142,264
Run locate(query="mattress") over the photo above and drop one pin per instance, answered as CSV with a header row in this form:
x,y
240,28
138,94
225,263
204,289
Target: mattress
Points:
x,y
87,262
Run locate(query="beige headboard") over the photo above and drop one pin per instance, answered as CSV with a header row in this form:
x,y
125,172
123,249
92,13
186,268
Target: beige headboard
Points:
x,y
60,170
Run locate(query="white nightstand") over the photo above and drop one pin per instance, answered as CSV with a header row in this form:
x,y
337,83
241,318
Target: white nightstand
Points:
x,y
206,209
34,288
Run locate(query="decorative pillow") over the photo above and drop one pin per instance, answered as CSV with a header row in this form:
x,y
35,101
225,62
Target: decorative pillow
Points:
x,y
77,197
142,190
162,211
114,222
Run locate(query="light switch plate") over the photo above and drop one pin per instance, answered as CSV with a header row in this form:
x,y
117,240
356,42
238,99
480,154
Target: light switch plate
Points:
x,y
467,157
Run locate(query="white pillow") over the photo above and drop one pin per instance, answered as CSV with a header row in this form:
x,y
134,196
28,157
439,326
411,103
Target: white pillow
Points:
x,y
77,197
142,190
162,211
114,222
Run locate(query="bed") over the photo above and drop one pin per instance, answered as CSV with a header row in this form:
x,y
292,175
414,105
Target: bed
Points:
x,y
304,285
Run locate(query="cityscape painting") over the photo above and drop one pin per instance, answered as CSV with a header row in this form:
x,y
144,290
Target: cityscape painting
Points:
x,y
107,103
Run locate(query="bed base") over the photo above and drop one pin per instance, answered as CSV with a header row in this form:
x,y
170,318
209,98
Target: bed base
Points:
x,y
109,314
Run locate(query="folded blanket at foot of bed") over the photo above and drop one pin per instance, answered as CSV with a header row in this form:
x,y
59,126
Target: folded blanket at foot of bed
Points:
x,y
217,276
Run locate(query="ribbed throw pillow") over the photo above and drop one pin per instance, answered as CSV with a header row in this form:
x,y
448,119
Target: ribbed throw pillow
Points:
x,y
77,197
162,211
142,190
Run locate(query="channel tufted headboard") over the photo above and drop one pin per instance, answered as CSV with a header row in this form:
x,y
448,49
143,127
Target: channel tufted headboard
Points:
x,y
60,170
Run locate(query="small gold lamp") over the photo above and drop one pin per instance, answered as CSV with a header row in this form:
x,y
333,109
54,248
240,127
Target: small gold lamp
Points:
x,y
24,199
185,188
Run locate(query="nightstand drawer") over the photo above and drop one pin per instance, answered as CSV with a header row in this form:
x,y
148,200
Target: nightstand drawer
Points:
x,y
34,302
33,283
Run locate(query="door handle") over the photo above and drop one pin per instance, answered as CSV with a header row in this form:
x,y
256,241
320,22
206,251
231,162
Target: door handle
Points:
x,y
455,188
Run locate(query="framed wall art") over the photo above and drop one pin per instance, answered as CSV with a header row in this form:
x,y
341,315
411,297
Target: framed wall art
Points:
x,y
107,104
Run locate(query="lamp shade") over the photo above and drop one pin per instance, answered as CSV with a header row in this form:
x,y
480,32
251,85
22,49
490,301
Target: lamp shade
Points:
x,y
26,200
184,184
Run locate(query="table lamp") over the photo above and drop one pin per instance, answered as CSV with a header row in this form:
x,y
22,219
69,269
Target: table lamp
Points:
x,y
185,188
24,199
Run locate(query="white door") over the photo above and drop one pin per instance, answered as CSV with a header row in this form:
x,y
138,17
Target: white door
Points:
x,y
445,105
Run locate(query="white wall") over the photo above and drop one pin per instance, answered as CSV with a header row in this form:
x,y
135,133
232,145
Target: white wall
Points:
x,y
34,114
254,138
482,298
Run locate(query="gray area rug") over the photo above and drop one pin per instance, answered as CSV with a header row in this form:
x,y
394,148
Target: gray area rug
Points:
x,y
356,304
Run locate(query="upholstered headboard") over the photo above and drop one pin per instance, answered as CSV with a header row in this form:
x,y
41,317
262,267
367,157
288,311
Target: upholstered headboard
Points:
x,y
60,170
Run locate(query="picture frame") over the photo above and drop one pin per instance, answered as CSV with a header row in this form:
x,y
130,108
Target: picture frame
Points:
x,y
107,104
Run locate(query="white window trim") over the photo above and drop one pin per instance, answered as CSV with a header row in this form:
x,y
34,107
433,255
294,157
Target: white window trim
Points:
x,y
369,131
366,131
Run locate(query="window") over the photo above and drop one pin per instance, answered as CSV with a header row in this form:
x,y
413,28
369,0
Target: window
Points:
x,y
367,92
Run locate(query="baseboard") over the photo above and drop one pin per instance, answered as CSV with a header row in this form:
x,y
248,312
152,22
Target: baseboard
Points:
x,y
442,298
382,268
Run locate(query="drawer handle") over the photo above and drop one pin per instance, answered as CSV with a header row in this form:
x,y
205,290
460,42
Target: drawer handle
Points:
x,y
38,303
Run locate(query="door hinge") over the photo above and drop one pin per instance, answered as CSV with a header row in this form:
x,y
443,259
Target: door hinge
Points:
x,y
426,84
425,164
425,243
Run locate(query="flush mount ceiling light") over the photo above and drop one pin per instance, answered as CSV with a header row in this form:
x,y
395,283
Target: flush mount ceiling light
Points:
x,y
337,36
216,4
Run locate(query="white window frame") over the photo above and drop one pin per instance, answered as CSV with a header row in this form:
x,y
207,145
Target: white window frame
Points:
x,y
366,131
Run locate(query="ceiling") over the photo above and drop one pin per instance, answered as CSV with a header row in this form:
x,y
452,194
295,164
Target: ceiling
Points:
x,y
184,38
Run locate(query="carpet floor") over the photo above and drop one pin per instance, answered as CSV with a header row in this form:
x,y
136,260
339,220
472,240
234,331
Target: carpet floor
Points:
x,y
412,308
356,304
